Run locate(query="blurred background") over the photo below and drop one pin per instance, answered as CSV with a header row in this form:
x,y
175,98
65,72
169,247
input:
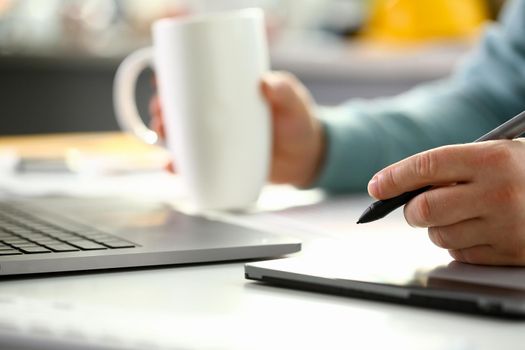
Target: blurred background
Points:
x,y
58,57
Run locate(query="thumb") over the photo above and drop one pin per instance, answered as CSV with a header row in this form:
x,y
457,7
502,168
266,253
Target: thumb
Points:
x,y
284,93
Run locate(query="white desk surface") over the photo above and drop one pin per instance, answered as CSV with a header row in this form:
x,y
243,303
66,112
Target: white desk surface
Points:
x,y
212,306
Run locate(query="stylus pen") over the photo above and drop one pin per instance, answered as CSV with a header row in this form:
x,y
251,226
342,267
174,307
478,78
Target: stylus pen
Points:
x,y
508,130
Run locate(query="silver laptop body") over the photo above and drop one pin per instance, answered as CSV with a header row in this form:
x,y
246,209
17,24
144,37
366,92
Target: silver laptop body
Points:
x,y
58,234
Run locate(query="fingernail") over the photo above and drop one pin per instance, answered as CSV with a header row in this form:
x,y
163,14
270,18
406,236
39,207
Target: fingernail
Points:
x,y
267,83
373,186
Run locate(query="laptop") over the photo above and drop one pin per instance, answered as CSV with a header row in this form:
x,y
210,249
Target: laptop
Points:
x,y
486,290
59,234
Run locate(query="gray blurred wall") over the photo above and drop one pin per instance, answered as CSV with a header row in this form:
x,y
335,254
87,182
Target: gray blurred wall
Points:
x,y
61,94
53,95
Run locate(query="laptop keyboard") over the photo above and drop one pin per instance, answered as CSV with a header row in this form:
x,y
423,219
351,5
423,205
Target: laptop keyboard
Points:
x,y
24,233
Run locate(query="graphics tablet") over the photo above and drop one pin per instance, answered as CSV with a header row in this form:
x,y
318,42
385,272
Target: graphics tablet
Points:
x,y
496,291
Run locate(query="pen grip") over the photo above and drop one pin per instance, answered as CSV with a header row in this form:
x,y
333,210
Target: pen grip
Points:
x,y
508,130
391,204
404,198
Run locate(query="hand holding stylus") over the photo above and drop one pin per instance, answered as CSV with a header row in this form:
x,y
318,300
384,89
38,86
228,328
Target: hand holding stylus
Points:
x,y
476,208
509,130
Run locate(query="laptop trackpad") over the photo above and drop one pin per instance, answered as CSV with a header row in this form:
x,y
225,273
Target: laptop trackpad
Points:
x,y
146,222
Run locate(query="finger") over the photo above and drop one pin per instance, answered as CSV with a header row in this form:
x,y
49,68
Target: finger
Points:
x,y
153,82
444,206
157,123
462,235
486,255
170,167
437,166
285,94
154,106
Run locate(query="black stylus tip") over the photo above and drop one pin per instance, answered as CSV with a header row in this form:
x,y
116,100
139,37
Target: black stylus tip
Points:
x,y
366,217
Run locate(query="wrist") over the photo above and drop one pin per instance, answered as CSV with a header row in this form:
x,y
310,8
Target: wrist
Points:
x,y
313,158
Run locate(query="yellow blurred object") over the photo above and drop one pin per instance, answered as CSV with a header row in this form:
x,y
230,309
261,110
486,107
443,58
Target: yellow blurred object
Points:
x,y
103,153
56,145
423,20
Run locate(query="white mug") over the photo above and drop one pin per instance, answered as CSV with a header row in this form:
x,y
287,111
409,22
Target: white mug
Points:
x,y
218,127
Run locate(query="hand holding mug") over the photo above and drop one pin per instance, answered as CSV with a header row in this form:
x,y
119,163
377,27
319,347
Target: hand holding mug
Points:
x,y
298,138
216,122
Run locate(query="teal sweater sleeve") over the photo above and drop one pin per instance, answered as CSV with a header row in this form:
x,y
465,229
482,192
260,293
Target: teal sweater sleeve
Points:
x,y
364,136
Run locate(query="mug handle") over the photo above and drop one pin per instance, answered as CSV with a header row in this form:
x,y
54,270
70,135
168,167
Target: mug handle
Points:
x,y
124,85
